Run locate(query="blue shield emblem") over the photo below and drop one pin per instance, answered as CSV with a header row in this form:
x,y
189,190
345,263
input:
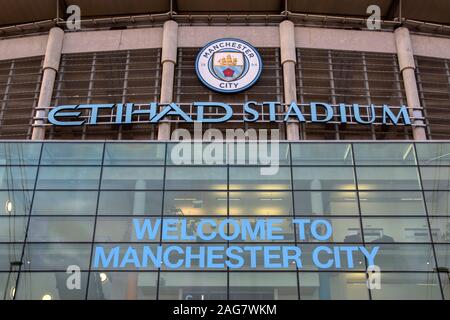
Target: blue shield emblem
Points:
x,y
228,65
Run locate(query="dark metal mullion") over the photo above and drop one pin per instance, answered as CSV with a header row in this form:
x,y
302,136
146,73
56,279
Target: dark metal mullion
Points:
x,y
367,91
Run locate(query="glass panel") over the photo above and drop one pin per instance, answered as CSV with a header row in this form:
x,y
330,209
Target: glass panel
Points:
x,y
440,229
344,230
19,153
134,154
396,230
284,226
260,203
56,256
384,154
17,177
15,202
64,202
10,256
438,202
408,286
253,178
433,153
348,261
388,178
263,286
392,203
130,202
12,229
443,256
196,261
193,286
257,153
119,229
61,229
186,230
8,285
68,178
124,256
193,203
49,286
445,281
196,153
189,178
323,178
81,153
122,285
435,178
333,286
404,257
325,203
324,154
132,178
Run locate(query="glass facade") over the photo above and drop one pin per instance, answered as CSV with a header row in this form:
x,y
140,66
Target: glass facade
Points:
x,y
60,200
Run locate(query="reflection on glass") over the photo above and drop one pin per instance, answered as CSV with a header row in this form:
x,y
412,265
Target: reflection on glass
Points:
x,y
130,202
68,178
80,153
348,262
443,256
196,153
321,154
134,154
61,229
194,203
15,202
255,153
344,230
252,178
123,264
119,229
408,286
12,229
440,227
333,286
435,178
56,256
17,177
433,153
325,203
391,203
64,203
323,178
132,178
193,286
49,286
10,256
284,229
388,178
396,230
263,286
260,203
8,285
384,154
438,202
122,286
19,153
191,178
404,257
445,281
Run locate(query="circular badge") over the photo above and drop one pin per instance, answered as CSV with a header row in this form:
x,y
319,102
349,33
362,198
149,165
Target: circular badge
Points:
x,y
228,65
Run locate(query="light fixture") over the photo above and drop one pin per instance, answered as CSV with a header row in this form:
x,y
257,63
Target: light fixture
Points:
x,y
12,292
407,152
411,199
184,199
270,199
103,277
47,297
8,206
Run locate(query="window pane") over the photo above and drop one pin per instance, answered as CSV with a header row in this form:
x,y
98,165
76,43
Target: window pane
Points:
x,y
396,230
189,178
68,178
323,178
445,281
321,154
252,178
333,286
263,286
404,257
325,203
19,153
119,229
384,154
72,153
284,226
130,202
8,285
134,154
125,259
392,203
49,285
193,203
64,202
15,202
61,229
56,256
443,256
190,226
435,178
440,228
260,203
10,256
12,229
408,286
193,286
196,153
433,153
132,178
122,285
388,178
438,202
17,177
257,153
344,230
354,261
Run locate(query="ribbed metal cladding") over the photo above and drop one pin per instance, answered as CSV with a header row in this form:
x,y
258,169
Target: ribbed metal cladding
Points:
x,y
349,77
20,81
107,77
188,88
433,80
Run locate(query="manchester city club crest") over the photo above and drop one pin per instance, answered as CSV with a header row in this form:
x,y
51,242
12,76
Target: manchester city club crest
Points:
x,y
228,65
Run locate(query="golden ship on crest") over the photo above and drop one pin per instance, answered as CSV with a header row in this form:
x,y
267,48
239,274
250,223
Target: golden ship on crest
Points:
x,y
228,61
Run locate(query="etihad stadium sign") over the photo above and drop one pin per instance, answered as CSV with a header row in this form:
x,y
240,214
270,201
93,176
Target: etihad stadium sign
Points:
x,y
250,111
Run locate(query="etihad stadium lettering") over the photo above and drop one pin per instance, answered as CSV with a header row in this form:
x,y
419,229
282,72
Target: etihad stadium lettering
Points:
x,y
251,111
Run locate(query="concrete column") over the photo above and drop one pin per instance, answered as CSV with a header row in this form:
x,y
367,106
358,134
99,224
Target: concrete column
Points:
x,y
168,61
407,68
50,68
288,61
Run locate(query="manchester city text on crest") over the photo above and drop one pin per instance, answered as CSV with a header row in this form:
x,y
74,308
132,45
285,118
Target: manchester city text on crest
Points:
x,y
228,65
